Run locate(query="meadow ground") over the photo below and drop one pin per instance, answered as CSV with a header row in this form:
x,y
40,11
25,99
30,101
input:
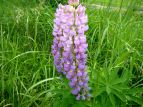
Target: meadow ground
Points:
x,y
28,77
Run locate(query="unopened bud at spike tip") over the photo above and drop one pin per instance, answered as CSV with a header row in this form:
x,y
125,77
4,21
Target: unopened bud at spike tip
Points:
x,y
73,2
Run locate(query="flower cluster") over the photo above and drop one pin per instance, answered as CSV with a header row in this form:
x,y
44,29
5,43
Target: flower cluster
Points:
x,y
69,47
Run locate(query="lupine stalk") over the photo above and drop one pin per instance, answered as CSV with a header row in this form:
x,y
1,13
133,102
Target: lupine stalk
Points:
x,y
69,46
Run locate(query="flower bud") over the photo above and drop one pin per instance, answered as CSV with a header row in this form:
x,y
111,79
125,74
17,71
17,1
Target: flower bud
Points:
x,y
73,2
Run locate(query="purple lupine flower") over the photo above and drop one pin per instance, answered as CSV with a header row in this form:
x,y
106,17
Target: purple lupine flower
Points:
x,y
78,97
69,46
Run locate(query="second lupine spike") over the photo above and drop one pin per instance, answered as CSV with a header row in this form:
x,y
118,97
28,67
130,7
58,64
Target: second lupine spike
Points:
x,y
69,47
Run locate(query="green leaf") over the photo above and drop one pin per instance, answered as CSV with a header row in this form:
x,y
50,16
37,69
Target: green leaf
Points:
x,y
112,99
136,99
98,91
120,95
122,79
108,90
79,104
135,90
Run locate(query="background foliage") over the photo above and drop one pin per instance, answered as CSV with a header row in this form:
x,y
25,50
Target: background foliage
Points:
x,y
28,77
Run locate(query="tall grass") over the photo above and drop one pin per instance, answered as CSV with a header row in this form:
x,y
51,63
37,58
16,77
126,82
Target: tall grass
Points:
x,y
29,78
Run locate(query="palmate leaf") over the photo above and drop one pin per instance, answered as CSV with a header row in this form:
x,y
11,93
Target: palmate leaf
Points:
x,y
123,79
79,104
113,86
135,95
112,99
120,95
119,81
138,90
63,98
120,88
99,91
136,99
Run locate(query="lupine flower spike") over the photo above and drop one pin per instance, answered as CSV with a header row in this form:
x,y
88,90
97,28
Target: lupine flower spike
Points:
x,y
69,46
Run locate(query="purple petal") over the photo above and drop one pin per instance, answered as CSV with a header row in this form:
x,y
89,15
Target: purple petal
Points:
x,y
80,83
75,91
78,97
79,74
72,84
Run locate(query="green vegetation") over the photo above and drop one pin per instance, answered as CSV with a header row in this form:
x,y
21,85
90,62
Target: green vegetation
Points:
x,y
28,77
123,3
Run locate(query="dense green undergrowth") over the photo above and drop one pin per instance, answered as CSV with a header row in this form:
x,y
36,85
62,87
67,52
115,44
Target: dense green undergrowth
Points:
x,y
28,77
